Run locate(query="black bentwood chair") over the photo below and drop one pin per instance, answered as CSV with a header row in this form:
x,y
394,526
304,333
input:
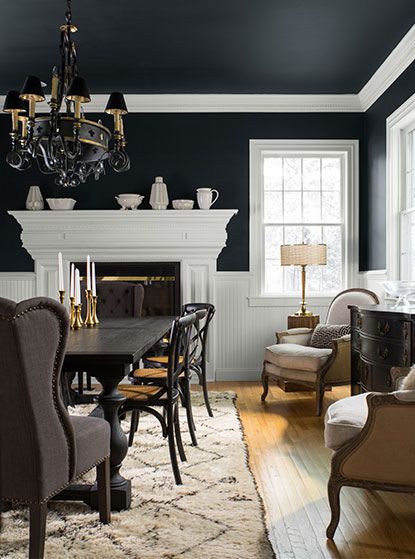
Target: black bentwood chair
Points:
x,y
198,366
147,397
42,448
157,376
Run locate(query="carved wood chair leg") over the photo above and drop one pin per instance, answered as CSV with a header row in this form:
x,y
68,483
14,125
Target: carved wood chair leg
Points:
x,y
265,381
135,416
334,501
37,530
104,494
319,398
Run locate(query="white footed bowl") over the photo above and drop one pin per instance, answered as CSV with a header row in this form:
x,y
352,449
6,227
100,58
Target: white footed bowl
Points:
x,y
129,201
183,204
61,203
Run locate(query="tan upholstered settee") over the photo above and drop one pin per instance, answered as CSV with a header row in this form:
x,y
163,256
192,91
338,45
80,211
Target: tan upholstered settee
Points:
x,y
293,359
372,436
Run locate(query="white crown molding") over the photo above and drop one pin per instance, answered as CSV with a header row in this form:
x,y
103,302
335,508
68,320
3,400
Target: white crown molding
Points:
x,y
229,103
399,59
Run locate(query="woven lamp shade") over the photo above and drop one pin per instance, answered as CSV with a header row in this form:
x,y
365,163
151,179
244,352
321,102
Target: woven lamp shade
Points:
x,y
303,255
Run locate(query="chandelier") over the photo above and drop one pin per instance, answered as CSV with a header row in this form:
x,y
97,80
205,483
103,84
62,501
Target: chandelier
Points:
x,y
64,142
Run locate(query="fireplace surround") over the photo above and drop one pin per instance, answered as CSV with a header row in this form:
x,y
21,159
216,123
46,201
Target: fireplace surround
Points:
x,y
192,238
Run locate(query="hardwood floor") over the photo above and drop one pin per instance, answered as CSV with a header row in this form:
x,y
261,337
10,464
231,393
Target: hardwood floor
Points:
x,y
291,466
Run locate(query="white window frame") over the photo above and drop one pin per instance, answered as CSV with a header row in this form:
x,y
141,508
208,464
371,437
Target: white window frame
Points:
x,y
349,150
396,127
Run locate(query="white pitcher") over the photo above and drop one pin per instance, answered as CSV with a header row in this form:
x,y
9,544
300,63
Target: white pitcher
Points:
x,y
159,199
205,197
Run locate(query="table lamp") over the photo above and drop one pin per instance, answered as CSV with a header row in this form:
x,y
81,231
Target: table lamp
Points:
x,y
303,255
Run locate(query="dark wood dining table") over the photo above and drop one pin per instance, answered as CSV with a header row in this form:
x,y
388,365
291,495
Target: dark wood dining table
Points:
x,y
107,351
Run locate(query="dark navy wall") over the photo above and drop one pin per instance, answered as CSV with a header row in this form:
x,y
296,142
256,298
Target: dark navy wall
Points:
x,y
189,150
372,236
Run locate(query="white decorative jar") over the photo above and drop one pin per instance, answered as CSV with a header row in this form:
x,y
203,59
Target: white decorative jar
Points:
x,y
159,199
34,200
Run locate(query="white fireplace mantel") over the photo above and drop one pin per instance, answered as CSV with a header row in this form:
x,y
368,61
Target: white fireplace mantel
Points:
x,y
194,238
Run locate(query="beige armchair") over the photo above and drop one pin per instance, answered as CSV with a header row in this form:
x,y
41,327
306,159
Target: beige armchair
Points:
x,y
374,445
293,359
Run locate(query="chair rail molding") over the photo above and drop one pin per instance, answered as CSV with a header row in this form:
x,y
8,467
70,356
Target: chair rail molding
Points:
x,y
194,238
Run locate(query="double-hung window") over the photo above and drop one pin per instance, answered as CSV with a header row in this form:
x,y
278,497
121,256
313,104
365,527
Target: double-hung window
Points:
x,y
301,192
408,204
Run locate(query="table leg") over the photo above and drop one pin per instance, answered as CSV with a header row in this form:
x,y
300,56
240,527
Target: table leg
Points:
x,y
110,400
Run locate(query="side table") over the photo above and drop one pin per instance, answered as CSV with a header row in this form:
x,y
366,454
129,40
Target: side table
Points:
x,y
298,321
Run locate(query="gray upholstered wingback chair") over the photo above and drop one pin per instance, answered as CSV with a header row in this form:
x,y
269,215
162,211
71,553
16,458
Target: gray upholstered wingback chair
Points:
x,y
42,448
292,359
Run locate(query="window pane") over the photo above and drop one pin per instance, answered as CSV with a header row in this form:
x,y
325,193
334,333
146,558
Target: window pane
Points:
x,y
311,173
330,173
291,278
273,241
312,234
292,207
273,277
293,235
330,211
273,173
272,207
332,272
311,207
292,173
314,279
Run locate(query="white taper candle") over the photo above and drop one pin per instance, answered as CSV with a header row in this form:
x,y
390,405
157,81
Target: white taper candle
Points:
x,y
60,273
94,281
77,287
72,281
88,272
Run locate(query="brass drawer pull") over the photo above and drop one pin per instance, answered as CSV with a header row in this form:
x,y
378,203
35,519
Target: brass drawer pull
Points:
x,y
383,353
383,329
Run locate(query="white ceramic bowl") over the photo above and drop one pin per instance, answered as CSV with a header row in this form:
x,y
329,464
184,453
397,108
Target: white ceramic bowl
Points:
x,y
61,203
183,204
129,201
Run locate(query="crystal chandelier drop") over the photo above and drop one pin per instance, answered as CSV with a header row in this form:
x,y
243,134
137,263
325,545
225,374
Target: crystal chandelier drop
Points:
x,y
64,142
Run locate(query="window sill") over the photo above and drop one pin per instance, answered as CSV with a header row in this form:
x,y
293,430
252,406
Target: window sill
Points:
x,y
288,301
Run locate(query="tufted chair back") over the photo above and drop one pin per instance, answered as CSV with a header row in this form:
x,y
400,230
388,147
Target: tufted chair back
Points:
x,y
37,448
339,312
118,299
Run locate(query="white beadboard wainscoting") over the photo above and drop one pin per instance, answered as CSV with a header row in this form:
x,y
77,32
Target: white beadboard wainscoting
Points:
x,y
17,286
242,329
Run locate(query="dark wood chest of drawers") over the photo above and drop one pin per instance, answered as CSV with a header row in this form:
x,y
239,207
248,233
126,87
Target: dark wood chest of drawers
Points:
x,y
382,338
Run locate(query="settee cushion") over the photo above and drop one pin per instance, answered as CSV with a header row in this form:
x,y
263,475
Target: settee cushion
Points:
x,y
294,356
344,420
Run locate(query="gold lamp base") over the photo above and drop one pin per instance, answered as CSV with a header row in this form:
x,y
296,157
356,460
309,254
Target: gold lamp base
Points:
x,y
302,311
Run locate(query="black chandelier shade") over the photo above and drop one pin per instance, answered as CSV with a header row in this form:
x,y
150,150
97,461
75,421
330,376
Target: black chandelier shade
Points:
x,y
14,103
78,90
116,104
32,90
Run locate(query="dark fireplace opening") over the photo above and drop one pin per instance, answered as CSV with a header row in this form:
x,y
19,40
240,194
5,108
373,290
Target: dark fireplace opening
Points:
x,y
160,280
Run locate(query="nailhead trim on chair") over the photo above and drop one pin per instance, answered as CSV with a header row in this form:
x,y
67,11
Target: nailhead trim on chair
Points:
x,y
54,390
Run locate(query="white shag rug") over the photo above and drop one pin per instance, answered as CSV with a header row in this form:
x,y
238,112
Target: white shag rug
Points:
x,y
216,514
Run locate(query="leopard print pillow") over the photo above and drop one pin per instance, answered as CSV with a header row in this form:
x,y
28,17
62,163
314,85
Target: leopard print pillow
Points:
x,y
324,334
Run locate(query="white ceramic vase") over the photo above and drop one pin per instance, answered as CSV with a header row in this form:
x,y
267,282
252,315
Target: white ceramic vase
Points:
x,y
34,200
205,197
159,199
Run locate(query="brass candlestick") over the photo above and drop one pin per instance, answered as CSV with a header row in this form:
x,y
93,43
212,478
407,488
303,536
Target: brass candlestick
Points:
x,y
89,320
72,311
78,318
61,296
94,309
